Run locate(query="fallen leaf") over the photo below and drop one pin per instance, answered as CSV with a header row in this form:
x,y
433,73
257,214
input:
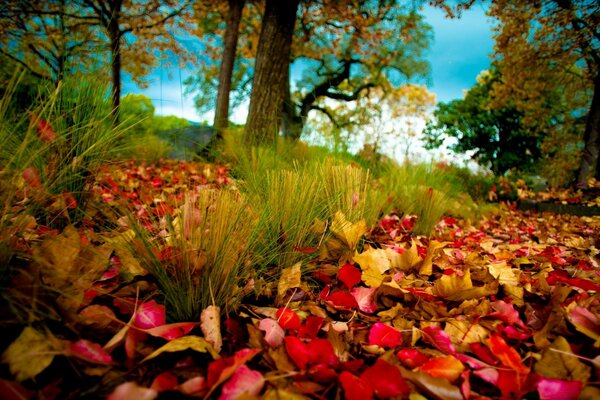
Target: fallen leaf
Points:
x,y
385,379
164,381
195,343
30,353
435,388
447,367
551,389
355,388
89,351
349,275
222,369
290,279
130,390
383,335
210,324
349,233
288,319
365,297
507,355
150,315
244,382
559,362
274,333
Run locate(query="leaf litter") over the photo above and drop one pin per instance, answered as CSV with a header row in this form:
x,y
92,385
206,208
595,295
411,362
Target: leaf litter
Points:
x,y
504,307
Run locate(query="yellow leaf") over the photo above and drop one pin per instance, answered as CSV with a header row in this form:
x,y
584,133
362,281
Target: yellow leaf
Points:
x,y
29,354
290,279
463,332
505,274
448,285
191,342
432,250
447,367
407,260
559,362
348,232
373,263
58,255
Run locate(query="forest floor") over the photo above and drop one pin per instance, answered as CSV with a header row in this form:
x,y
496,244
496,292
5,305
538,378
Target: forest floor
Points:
x,y
503,307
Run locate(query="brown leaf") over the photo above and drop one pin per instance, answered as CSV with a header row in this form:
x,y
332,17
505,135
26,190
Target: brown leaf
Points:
x,y
558,361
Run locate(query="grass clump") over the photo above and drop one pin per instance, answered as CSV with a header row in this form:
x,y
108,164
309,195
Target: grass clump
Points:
x,y
197,256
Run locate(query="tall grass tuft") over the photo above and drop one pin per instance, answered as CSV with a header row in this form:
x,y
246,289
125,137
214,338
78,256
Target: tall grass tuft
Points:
x,y
53,152
286,203
199,259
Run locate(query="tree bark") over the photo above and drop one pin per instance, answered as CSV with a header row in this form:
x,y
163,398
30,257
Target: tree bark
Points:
x,y
591,138
230,40
114,33
271,71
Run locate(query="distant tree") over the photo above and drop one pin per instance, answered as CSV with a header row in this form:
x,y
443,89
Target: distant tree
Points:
x,y
271,72
45,39
349,47
496,137
543,44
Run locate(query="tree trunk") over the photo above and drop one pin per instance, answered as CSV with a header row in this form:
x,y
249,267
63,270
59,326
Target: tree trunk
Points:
x,y
292,122
271,72
231,38
591,138
114,34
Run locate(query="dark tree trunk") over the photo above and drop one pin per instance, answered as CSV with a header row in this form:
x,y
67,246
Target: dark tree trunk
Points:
x,y
114,33
231,38
591,138
271,72
292,122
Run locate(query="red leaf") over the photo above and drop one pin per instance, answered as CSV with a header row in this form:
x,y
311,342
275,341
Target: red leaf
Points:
x,y
311,327
297,351
70,200
31,177
320,351
244,382
506,354
349,275
385,379
164,381
550,389
435,336
171,331
44,129
14,391
150,315
412,358
220,370
287,318
342,299
365,299
89,351
384,335
354,387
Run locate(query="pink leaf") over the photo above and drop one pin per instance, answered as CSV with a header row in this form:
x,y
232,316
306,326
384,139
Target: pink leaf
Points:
x,y
364,297
386,380
435,336
287,318
89,351
244,381
274,333
130,390
550,389
507,313
349,275
384,335
220,370
195,387
354,387
150,315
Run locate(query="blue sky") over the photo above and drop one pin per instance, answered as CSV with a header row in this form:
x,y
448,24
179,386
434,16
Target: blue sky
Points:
x,y
460,51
